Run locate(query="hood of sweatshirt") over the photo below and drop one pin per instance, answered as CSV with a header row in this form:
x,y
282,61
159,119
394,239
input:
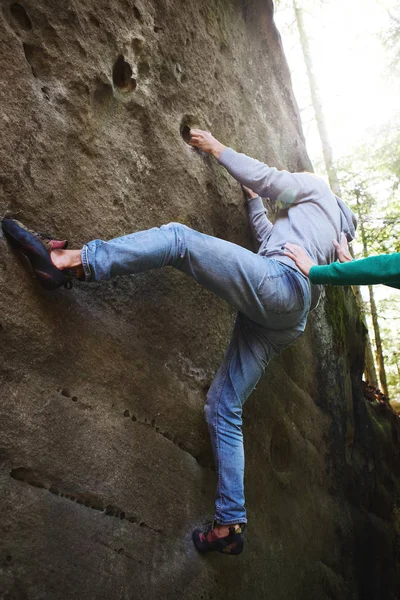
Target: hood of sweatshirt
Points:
x,y
348,220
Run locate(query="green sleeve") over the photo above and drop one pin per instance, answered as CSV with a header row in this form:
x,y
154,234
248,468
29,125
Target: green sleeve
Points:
x,y
384,268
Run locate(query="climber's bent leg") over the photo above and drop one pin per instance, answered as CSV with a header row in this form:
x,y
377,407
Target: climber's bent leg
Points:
x,y
230,271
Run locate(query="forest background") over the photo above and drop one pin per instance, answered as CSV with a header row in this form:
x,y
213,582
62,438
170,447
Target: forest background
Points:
x,y
354,51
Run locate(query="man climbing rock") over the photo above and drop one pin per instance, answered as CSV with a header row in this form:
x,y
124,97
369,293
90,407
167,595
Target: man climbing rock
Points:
x,y
271,294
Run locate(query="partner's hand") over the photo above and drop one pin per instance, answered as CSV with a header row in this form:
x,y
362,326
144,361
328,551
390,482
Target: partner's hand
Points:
x,y
206,142
342,249
248,192
300,257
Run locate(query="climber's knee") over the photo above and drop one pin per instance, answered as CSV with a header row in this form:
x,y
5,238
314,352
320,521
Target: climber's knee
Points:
x,y
174,226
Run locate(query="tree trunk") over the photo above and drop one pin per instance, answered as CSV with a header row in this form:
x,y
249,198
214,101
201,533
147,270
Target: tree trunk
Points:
x,y
378,343
316,102
369,366
374,313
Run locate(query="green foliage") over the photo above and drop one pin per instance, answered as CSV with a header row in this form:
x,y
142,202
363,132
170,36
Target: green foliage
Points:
x,y
391,40
370,182
387,153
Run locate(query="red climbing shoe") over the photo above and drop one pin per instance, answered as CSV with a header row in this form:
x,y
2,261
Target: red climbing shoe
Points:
x,y
208,541
36,248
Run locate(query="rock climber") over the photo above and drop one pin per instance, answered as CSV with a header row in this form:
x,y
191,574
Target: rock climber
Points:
x,y
270,293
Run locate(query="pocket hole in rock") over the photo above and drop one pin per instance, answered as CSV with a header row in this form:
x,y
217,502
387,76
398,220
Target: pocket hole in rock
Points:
x,y
122,75
20,16
46,92
190,122
185,133
137,13
94,20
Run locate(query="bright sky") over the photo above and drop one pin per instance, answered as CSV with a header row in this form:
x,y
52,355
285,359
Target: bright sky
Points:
x,y
350,68
350,65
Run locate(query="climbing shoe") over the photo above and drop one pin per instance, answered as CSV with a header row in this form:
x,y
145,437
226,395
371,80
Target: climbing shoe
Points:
x,y
208,541
35,248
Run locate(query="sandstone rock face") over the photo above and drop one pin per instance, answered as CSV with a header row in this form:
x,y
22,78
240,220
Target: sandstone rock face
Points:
x,y
105,463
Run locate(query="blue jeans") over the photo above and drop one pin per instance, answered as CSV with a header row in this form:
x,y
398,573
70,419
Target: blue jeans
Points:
x,y
273,301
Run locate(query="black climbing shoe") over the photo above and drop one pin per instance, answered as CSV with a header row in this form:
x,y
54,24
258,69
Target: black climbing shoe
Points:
x,y
36,248
208,541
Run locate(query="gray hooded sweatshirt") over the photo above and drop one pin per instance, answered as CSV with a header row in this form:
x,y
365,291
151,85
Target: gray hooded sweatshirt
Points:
x,y
310,214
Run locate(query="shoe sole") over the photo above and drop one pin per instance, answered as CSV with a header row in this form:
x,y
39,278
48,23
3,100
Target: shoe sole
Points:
x,y
35,253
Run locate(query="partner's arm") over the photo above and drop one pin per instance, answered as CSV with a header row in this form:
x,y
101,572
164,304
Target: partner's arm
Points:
x,y
384,268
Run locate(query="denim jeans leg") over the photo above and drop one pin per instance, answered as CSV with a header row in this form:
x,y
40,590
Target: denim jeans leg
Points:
x,y
228,270
245,360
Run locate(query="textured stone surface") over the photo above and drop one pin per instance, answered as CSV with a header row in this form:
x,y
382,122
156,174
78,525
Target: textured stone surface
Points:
x,y
105,464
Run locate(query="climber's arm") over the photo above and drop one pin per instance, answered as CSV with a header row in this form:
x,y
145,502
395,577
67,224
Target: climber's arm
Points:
x,y
260,225
266,181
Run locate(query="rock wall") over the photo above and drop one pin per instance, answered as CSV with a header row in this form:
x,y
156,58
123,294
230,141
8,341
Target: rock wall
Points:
x,y
105,463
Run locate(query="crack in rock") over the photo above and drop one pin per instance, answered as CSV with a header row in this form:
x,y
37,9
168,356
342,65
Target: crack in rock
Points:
x,y
121,551
38,480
